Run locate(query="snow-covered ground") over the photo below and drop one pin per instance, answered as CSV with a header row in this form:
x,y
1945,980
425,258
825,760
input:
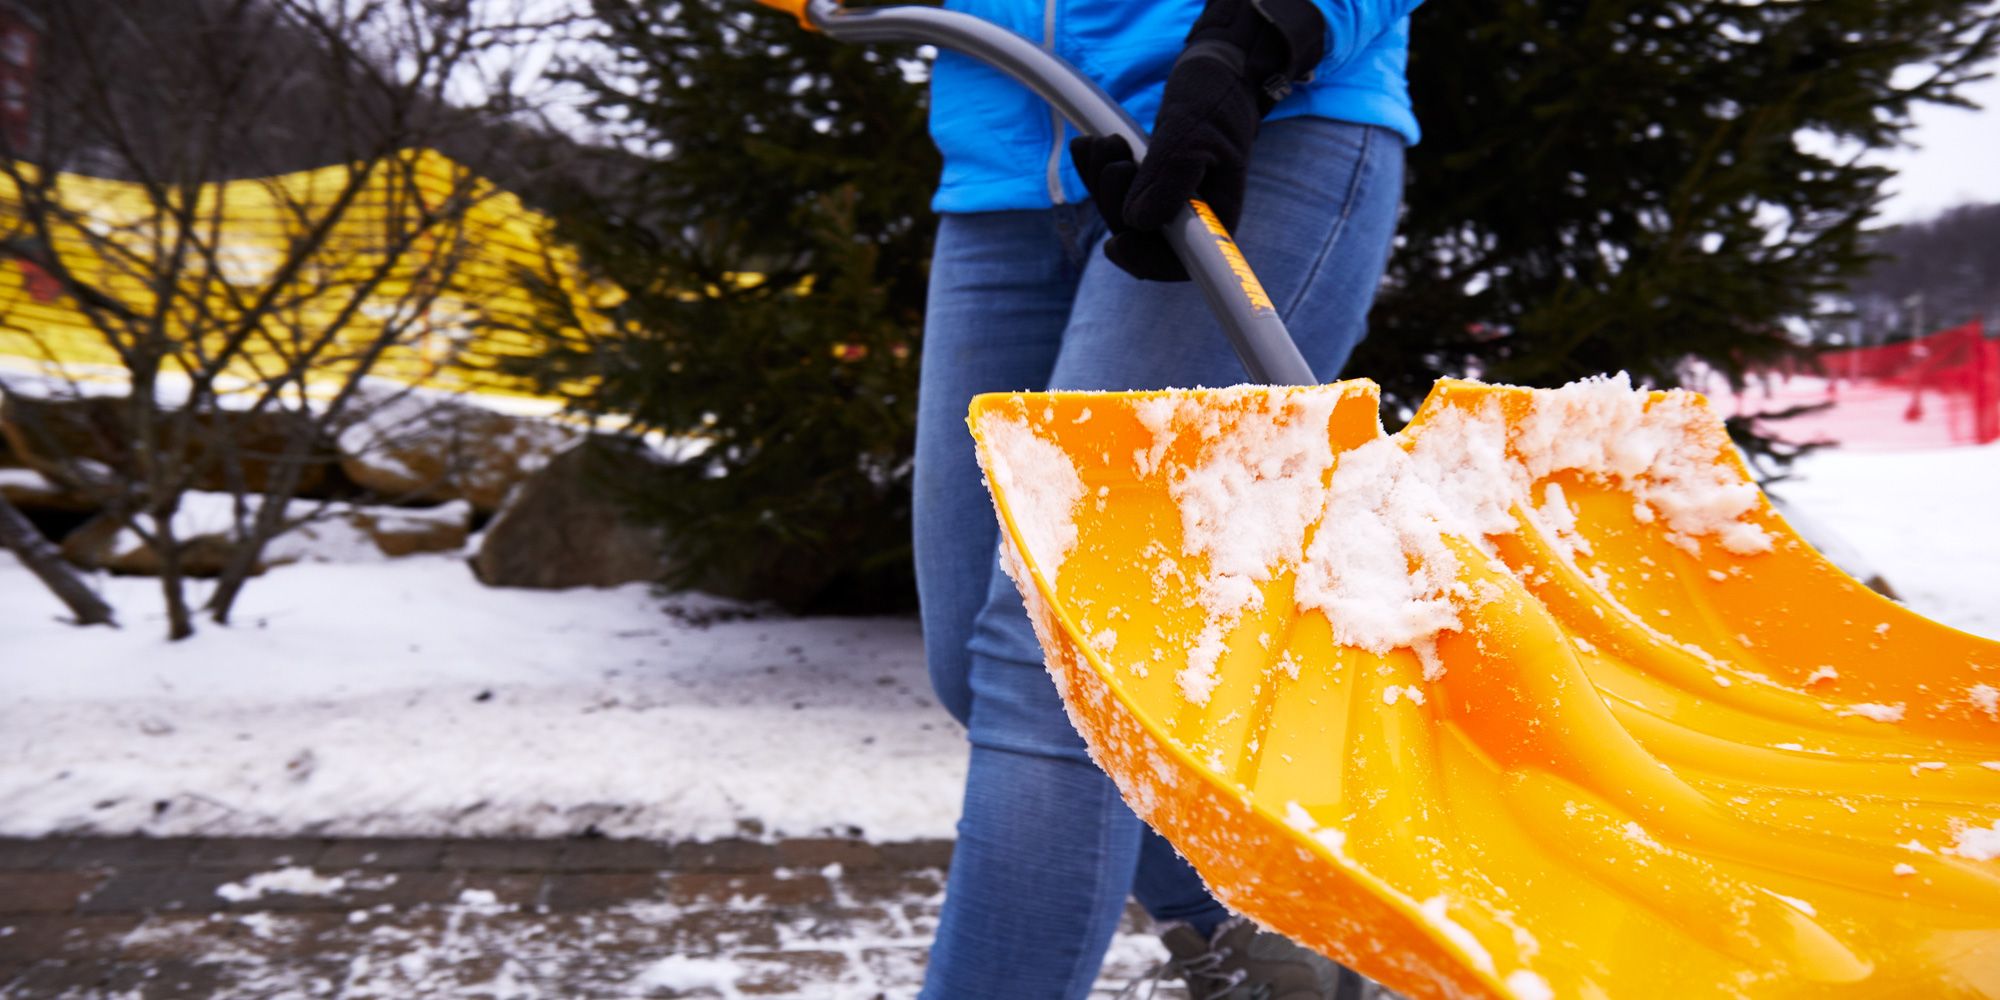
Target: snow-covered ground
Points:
x,y
1928,521
404,698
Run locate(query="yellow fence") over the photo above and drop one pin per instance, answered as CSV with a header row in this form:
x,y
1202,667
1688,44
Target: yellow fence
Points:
x,y
417,252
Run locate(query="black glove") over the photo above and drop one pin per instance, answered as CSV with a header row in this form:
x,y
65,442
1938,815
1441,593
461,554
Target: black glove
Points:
x,y
1241,59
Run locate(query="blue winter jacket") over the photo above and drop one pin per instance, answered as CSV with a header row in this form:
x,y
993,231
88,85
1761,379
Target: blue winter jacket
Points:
x,y
1004,148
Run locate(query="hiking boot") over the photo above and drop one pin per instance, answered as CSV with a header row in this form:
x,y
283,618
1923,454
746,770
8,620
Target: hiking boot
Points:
x,y
1245,962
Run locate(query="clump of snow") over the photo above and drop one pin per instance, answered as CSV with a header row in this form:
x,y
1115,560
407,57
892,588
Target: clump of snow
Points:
x,y
1392,693
1985,698
1434,911
1526,985
1265,452
679,972
1638,835
1558,520
1378,566
1661,451
1040,483
1874,711
1370,544
1821,673
1903,868
1156,414
295,881
1271,461
1975,843
1299,819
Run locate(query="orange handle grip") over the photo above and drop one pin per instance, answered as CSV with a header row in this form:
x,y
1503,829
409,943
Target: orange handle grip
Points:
x,y
796,8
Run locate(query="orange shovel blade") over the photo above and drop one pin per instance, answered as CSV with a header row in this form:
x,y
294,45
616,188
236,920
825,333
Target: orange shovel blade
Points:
x,y
1535,698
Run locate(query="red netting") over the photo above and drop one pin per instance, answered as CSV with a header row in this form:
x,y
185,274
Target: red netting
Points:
x,y
1934,391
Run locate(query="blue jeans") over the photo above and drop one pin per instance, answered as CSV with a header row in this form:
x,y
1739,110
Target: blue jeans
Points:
x,y
1047,852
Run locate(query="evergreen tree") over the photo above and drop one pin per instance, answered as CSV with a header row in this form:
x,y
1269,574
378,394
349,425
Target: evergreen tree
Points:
x,y
770,236
1628,184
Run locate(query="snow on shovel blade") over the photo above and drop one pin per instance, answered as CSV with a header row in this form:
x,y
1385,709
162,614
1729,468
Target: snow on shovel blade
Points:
x,y
1538,697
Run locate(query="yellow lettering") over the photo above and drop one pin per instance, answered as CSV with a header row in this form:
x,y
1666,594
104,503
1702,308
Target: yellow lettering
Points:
x,y
1252,288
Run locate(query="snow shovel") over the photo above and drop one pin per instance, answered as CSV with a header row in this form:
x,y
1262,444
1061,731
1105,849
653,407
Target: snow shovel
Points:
x,y
1537,697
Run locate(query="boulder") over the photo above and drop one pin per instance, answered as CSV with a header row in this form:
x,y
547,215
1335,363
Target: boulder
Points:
x,y
88,441
406,531
105,542
416,447
568,525
339,532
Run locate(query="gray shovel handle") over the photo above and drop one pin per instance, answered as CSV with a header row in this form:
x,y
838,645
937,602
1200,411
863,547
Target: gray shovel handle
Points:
x,y
1201,242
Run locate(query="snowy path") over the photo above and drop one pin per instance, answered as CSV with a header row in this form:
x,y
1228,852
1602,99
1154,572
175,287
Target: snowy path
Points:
x,y
362,919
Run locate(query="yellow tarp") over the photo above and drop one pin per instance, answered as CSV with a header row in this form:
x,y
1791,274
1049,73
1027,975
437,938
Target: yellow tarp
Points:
x,y
410,223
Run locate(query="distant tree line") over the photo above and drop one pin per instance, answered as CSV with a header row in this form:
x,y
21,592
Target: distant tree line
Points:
x,y
1929,275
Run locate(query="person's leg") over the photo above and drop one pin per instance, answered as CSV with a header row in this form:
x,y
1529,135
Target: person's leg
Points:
x,y
1001,287
1038,879
1000,291
1321,206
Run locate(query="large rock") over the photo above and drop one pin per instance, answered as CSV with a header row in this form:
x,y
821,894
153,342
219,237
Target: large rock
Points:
x,y
339,532
106,543
88,441
413,446
393,531
567,525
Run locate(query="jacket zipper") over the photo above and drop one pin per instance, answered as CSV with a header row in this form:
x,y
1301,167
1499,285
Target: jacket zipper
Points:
x,y
1055,117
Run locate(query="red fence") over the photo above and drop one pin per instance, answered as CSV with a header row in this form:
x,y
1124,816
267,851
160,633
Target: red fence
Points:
x,y
1934,391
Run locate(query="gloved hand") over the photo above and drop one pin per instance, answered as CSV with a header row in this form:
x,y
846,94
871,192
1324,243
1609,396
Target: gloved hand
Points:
x,y
1241,59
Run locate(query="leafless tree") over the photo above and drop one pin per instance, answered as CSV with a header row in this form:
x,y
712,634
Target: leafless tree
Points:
x,y
241,353
19,536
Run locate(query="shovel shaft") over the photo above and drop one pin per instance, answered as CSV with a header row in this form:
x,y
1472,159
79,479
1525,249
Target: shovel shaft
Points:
x,y
1198,238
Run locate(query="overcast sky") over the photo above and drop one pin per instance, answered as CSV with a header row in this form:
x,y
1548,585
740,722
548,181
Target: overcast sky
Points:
x,y
1957,159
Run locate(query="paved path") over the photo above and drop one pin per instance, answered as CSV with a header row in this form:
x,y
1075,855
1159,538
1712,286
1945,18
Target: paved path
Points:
x,y
359,918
